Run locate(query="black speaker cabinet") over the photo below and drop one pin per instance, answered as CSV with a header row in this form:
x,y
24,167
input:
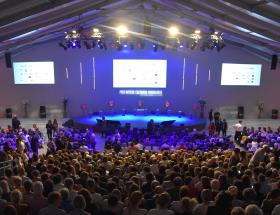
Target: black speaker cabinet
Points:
x,y
274,114
43,112
8,60
274,61
240,112
9,113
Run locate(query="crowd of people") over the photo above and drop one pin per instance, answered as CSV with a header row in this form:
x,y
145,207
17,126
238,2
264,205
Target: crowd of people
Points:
x,y
192,173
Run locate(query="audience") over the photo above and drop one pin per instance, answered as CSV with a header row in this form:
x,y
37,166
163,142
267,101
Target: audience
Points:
x,y
193,174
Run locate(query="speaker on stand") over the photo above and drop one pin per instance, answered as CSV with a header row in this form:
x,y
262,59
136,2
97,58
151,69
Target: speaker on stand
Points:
x,y
9,113
42,112
274,114
240,112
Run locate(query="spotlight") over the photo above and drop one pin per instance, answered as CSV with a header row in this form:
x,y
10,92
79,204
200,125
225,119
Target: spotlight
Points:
x,y
63,46
173,31
125,45
181,46
96,33
122,30
197,31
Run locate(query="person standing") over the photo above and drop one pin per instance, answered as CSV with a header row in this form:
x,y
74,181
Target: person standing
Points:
x,y
150,127
224,127
15,123
34,142
210,115
238,127
55,126
49,127
103,127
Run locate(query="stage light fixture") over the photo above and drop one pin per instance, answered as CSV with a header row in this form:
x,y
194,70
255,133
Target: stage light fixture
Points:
x,y
181,46
122,30
125,45
197,31
173,31
96,33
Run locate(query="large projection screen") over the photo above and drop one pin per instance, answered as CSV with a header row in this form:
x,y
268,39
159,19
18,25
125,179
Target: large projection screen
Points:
x,y
34,72
241,74
134,73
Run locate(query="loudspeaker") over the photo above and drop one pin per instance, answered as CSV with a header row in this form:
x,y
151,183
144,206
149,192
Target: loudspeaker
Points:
x,y
43,112
274,61
240,112
274,114
8,60
9,113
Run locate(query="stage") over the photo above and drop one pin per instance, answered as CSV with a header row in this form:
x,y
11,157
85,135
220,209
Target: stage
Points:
x,y
140,121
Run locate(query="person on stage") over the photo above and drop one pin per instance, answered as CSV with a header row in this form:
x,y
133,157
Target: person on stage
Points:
x,y
103,127
238,127
224,127
150,127
210,115
49,127
15,123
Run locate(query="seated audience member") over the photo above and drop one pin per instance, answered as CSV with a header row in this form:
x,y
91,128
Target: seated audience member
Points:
x,y
66,204
112,208
3,202
10,210
253,210
206,198
162,202
273,199
16,198
135,201
79,204
38,201
237,211
222,204
54,201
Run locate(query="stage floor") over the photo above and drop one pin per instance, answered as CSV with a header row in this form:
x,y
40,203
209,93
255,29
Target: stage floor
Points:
x,y
140,121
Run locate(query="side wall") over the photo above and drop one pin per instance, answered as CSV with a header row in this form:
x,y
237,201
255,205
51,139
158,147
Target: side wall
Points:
x,y
223,98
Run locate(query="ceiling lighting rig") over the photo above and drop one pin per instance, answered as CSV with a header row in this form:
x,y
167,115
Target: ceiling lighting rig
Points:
x,y
122,39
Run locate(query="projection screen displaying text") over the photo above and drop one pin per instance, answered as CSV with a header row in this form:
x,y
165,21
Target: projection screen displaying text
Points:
x,y
33,72
133,73
241,74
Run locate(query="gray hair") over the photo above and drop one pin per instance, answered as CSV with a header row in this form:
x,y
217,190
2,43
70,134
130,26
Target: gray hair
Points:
x,y
38,187
253,210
